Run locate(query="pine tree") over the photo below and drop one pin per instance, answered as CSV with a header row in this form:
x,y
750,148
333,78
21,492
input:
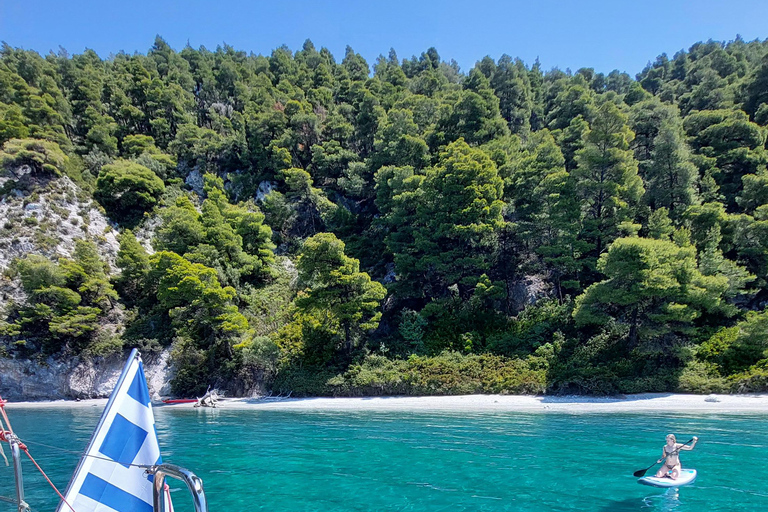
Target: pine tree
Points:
x,y
606,179
458,211
653,287
335,286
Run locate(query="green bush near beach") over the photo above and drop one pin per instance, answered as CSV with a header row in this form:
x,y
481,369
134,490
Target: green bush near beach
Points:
x,y
448,373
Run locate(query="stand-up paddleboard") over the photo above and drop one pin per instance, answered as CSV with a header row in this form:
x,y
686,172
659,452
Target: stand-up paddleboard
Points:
x,y
687,476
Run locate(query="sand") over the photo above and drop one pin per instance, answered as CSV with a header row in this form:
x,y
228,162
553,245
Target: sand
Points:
x,y
641,403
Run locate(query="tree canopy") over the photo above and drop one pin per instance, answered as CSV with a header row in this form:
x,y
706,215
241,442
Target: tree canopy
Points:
x,y
295,210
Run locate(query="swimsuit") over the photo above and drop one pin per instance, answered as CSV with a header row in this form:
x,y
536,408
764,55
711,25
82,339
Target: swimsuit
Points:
x,y
669,467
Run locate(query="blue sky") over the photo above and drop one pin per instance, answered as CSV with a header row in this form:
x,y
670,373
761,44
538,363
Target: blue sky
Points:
x,y
605,35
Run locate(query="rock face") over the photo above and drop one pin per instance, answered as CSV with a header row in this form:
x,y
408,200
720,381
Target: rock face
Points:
x,y
48,222
53,379
528,290
265,187
195,181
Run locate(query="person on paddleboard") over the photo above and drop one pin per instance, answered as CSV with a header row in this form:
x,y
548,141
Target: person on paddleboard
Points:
x,y
672,466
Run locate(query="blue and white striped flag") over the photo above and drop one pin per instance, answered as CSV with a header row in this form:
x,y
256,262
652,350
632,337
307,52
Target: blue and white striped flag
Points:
x,y
109,477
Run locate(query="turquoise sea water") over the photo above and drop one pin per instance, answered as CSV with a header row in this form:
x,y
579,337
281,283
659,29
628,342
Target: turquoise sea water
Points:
x,y
376,461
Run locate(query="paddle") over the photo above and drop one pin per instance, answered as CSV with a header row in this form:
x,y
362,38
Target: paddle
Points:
x,y
641,472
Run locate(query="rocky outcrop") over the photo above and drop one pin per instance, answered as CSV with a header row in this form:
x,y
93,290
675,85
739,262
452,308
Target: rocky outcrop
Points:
x,y
527,290
78,377
195,181
49,219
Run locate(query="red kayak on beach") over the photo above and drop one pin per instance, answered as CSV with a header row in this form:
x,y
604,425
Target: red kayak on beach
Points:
x,y
181,401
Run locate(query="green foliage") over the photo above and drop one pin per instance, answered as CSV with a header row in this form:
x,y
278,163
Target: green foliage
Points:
x,y
738,348
205,322
728,143
40,158
664,160
653,287
181,229
451,217
135,145
755,191
449,373
702,377
128,190
233,239
453,188
466,325
192,368
335,287
604,364
133,261
606,179
533,328
66,300
411,328
308,341
195,300
311,209
713,263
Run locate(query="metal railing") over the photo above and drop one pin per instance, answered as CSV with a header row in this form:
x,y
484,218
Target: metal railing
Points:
x,y
16,455
194,484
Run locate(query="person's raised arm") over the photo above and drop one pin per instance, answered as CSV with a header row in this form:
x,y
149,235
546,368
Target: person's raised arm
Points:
x,y
689,447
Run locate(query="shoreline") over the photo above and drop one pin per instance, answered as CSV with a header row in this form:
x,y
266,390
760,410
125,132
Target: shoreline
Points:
x,y
640,403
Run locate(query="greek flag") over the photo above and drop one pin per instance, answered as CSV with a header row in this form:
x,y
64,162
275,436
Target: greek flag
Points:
x,y
109,477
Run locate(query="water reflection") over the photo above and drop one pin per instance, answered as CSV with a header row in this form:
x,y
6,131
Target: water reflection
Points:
x,y
666,501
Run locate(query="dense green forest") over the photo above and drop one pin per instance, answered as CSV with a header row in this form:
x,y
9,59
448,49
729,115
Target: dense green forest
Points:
x,y
325,227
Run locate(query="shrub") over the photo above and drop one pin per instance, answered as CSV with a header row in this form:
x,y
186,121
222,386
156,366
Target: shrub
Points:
x,y
448,373
303,381
32,156
104,344
66,299
702,377
753,380
192,368
737,348
127,190
411,328
532,328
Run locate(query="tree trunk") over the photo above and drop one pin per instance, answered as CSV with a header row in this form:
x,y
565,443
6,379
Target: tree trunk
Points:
x,y
633,329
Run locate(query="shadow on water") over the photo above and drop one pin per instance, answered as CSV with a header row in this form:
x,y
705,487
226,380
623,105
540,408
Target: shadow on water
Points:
x,y
630,505
667,501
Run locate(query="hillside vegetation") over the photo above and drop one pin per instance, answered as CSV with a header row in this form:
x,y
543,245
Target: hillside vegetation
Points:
x,y
293,223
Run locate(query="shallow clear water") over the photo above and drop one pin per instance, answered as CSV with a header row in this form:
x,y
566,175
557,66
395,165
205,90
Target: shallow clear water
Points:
x,y
320,461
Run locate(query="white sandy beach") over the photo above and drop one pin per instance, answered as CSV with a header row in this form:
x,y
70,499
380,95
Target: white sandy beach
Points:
x,y
641,403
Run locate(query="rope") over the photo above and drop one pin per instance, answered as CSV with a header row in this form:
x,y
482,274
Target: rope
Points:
x,y
26,450
2,437
80,454
167,498
23,447
3,431
5,416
